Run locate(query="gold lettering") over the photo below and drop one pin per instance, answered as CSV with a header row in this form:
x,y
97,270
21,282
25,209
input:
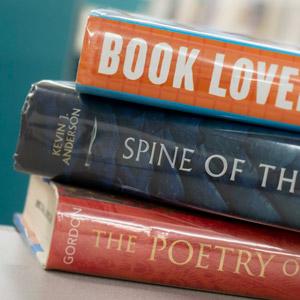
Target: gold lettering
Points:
x,y
201,255
131,243
263,264
189,257
284,268
117,240
98,235
240,262
222,258
154,246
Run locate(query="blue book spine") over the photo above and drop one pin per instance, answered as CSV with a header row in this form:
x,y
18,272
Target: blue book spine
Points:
x,y
243,171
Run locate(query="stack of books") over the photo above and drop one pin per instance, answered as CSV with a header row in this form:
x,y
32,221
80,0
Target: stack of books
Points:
x,y
174,159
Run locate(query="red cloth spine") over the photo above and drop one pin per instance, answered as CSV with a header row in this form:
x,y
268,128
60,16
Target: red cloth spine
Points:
x,y
175,248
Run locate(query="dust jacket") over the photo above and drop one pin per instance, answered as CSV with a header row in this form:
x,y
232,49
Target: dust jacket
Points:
x,y
106,235
224,167
143,60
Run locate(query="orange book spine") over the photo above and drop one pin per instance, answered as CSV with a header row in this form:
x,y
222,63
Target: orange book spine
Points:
x,y
175,67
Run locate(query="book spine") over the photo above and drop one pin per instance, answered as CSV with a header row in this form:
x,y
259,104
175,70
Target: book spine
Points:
x,y
228,168
174,67
113,240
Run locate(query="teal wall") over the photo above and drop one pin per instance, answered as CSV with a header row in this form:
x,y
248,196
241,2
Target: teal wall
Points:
x,y
35,44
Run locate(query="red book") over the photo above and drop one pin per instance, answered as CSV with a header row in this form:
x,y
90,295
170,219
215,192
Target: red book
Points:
x,y
81,231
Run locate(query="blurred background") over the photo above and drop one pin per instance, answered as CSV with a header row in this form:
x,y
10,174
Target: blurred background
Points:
x,y
42,40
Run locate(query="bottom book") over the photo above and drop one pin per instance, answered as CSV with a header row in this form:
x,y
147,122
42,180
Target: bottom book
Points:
x,y
77,230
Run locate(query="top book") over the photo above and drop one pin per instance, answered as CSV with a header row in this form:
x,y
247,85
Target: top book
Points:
x,y
136,58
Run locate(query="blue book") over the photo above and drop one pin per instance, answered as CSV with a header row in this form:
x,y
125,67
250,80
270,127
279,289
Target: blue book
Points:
x,y
233,169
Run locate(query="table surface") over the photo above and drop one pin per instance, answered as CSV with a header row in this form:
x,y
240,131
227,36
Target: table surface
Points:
x,y
21,277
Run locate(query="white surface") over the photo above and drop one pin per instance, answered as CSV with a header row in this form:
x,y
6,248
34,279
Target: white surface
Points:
x,y
22,278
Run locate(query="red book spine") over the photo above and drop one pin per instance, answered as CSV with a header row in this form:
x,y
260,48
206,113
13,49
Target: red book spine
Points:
x,y
175,248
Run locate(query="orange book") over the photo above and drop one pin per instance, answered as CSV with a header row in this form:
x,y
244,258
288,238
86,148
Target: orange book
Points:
x,y
138,59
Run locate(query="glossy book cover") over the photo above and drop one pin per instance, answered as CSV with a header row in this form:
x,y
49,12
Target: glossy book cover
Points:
x,y
113,236
159,63
223,167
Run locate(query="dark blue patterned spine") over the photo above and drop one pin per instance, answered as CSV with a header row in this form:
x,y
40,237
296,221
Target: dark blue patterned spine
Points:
x,y
203,163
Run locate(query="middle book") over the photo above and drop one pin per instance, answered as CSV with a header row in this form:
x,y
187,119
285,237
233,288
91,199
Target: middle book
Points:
x,y
243,171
